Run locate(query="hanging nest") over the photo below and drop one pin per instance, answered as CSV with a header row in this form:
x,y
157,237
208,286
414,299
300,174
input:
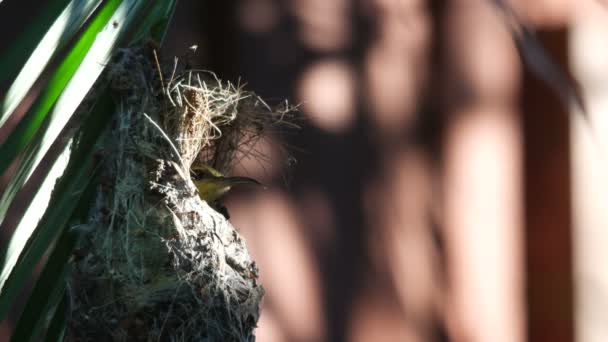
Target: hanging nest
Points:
x,y
155,262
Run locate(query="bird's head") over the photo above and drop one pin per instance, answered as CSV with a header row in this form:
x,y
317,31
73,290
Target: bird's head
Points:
x,y
212,185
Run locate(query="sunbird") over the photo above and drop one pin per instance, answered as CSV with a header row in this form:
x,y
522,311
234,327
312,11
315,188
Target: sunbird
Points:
x,y
212,185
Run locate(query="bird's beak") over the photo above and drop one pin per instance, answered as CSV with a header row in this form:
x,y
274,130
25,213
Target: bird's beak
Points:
x,y
241,180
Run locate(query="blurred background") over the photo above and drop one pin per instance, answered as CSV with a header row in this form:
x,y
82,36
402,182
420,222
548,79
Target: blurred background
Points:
x,y
444,186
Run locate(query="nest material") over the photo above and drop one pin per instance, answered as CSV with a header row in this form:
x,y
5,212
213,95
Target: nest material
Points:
x,y
156,262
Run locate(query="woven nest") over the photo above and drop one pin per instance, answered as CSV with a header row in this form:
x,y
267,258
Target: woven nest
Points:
x,y
156,262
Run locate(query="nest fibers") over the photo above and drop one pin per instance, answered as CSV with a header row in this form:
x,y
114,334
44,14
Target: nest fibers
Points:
x,y
155,262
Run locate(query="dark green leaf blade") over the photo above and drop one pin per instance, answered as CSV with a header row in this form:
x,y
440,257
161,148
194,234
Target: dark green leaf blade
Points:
x,y
51,282
34,117
27,245
81,81
61,31
12,60
56,330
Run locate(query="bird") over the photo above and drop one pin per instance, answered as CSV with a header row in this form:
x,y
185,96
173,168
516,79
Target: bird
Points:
x,y
212,185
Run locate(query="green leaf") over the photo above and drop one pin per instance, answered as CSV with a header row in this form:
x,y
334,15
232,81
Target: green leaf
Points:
x,y
99,53
12,60
50,285
58,35
29,241
35,116
25,228
156,24
56,329
30,330
33,234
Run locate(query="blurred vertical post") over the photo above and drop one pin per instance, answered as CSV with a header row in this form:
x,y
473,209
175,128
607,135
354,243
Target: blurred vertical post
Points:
x,y
589,60
547,177
482,176
548,202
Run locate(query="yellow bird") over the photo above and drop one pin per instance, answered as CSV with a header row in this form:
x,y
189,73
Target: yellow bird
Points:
x,y
212,185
